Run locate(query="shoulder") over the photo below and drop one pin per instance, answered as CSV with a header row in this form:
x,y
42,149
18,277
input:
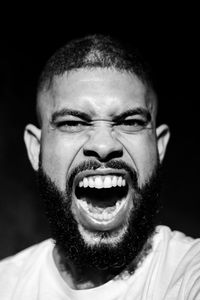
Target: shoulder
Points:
x,y
13,267
20,258
176,247
172,240
179,257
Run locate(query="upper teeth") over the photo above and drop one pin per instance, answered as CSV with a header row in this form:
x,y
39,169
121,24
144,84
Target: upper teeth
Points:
x,y
100,182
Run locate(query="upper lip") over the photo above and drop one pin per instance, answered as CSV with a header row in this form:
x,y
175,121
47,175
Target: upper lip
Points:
x,y
100,172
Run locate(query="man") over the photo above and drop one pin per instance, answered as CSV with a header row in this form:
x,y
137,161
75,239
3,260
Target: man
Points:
x,y
98,156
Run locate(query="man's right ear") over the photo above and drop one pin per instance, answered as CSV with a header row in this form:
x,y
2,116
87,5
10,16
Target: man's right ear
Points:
x,y
32,136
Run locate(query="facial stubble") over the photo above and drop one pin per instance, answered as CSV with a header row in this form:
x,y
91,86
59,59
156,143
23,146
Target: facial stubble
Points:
x,y
131,248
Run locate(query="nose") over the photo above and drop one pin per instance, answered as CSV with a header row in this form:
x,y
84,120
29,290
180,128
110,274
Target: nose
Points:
x,y
103,145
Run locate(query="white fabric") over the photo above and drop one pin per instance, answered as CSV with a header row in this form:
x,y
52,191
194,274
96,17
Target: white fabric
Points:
x,y
170,271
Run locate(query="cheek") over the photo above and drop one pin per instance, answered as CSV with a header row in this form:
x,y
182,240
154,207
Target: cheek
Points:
x,y
142,150
58,154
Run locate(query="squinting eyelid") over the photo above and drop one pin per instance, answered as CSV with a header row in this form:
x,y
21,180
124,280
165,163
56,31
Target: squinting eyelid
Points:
x,y
68,118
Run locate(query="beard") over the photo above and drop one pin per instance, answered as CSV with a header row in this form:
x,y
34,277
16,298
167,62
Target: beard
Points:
x,y
110,257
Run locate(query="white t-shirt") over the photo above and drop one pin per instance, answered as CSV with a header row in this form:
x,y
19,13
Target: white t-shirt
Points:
x,y
170,271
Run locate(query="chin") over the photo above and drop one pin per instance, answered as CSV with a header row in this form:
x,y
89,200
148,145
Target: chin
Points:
x,y
98,239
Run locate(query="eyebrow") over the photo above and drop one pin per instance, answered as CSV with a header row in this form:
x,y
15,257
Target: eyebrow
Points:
x,y
82,115
69,112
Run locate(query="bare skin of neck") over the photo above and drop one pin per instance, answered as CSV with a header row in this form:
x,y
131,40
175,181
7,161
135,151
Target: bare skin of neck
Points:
x,y
89,277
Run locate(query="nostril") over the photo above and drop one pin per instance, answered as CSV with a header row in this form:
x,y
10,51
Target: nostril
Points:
x,y
103,155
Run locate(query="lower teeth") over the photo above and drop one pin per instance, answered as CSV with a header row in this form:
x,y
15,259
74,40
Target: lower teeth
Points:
x,y
99,213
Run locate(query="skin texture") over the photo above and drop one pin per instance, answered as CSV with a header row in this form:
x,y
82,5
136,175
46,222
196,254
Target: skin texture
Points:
x,y
103,94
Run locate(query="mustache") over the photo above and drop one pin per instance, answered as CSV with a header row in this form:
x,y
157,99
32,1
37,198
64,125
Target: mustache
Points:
x,y
94,165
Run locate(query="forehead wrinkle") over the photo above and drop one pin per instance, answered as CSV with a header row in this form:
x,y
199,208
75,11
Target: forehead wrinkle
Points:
x,y
90,111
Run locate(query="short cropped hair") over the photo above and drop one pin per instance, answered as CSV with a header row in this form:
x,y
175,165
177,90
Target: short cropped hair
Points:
x,y
95,51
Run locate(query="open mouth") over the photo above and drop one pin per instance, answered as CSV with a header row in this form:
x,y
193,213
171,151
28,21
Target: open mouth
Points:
x,y
101,197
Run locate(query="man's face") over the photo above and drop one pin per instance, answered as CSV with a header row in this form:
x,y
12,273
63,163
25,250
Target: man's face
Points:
x,y
98,151
103,96
98,115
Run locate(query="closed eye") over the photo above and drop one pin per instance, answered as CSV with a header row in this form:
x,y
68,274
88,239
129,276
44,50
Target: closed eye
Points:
x,y
133,122
71,125
132,125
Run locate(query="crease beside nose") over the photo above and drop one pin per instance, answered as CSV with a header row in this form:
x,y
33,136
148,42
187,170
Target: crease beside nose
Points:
x,y
103,145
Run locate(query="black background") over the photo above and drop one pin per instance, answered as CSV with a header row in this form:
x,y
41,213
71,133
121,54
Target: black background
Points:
x,y
168,38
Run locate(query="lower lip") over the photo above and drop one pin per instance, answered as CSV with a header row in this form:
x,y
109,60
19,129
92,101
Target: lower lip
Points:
x,y
92,223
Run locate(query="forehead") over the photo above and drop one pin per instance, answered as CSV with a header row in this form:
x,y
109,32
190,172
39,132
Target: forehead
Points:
x,y
99,92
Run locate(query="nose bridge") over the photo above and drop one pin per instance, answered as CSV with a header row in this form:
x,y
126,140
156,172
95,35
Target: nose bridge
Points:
x,y
102,142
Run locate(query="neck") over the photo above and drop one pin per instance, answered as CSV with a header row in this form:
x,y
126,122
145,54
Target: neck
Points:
x,y
78,278
89,277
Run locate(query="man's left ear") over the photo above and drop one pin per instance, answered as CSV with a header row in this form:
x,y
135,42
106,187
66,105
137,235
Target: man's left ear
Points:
x,y
163,135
